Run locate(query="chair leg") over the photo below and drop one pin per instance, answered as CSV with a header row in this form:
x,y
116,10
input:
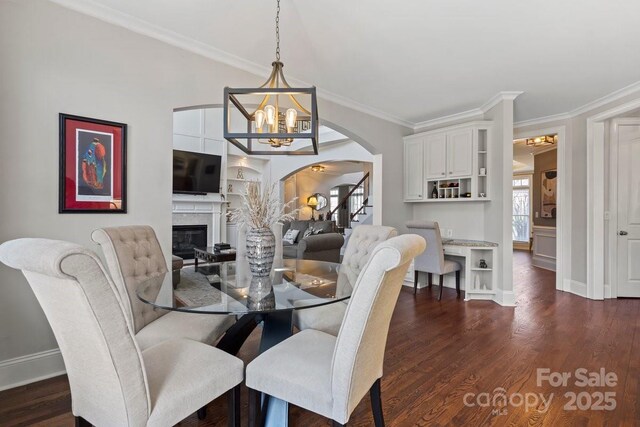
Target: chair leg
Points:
x,y
430,278
233,406
376,404
81,422
202,413
254,408
441,286
415,282
458,282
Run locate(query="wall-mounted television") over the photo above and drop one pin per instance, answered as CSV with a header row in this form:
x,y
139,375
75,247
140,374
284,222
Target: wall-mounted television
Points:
x,y
196,172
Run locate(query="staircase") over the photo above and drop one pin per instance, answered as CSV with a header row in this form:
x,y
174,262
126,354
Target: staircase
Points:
x,y
359,205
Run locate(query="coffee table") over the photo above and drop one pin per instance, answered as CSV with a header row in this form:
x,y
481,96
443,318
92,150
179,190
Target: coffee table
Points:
x,y
208,254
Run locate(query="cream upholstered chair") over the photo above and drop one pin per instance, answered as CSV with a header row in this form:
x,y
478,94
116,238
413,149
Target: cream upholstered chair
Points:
x,y
432,260
133,255
361,244
112,382
330,375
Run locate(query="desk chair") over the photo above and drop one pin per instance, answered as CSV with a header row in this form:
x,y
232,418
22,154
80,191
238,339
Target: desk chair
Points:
x,y
432,260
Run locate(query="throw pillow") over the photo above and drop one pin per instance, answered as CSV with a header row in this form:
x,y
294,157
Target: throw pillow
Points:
x,y
290,236
317,231
308,232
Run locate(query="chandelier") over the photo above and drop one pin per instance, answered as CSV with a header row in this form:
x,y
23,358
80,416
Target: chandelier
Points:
x,y
541,141
273,115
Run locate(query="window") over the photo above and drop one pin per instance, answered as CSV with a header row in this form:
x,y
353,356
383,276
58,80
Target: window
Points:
x,y
357,199
521,209
333,202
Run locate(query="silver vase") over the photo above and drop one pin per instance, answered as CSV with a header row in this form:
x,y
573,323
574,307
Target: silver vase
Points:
x,y
261,249
261,296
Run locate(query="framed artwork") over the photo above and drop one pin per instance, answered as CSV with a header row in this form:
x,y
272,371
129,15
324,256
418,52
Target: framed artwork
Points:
x,y
549,186
93,166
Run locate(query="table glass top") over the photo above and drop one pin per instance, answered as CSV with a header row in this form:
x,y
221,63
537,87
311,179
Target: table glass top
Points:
x,y
229,287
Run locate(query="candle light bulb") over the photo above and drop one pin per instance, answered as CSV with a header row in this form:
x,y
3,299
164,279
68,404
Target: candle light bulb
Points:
x,y
270,110
259,117
290,118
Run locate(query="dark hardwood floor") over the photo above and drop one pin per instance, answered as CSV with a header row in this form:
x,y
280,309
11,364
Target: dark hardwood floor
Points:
x,y
438,352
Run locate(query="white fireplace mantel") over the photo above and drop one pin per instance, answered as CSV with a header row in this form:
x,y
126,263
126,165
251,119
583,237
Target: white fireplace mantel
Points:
x,y
195,209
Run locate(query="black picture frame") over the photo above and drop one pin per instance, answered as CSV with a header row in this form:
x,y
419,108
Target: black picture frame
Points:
x,y
69,201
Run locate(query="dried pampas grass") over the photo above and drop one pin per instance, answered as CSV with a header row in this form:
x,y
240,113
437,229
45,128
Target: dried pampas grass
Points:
x,y
261,209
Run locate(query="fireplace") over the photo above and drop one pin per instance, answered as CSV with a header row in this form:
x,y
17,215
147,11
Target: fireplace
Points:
x,y
187,237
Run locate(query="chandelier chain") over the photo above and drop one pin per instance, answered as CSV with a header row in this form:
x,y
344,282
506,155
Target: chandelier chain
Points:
x,y
278,32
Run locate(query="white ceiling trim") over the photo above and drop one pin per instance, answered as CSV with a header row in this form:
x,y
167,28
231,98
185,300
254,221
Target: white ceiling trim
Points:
x,y
590,106
140,26
473,114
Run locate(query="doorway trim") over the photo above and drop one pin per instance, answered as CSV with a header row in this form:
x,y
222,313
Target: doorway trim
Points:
x,y
563,231
596,135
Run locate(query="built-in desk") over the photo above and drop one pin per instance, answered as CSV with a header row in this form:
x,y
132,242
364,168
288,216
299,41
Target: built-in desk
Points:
x,y
478,283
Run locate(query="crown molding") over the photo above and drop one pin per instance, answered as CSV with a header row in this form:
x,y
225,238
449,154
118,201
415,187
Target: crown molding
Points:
x,y
469,114
542,120
140,26
462,116
590,106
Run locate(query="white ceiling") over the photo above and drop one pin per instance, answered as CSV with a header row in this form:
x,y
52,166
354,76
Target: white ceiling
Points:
x,y
523,155
337,168
414,60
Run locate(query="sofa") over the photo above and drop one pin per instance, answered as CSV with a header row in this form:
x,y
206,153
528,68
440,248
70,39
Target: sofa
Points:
x,y
324,246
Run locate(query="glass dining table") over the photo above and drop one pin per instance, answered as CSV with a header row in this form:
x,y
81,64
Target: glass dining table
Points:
x,y
229,288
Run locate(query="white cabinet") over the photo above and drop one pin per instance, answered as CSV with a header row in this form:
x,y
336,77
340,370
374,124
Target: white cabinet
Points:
x,y
448,164
459,153
413,168
435,156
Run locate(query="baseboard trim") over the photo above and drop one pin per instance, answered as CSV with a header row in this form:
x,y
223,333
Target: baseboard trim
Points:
x,y
31,368
578,288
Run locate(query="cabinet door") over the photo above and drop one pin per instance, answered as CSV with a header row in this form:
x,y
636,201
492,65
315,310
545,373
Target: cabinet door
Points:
x,y
435,159
413,173
459,153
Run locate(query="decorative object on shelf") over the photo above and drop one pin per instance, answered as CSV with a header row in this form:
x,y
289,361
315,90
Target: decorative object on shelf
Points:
x,y
230,188
93,172
434,192
482,264
259,211
483,194
318,168
542,141
240,174
549,183
283,115
467,195
476,282
483,171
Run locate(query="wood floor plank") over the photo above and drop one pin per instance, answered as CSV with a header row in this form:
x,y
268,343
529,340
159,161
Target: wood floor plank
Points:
x,y
439,351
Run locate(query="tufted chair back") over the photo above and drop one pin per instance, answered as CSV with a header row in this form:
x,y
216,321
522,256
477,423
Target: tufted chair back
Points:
x,y
104,364
360,247
133,255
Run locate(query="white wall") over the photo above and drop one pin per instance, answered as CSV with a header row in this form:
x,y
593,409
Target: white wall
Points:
x,y
55,60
